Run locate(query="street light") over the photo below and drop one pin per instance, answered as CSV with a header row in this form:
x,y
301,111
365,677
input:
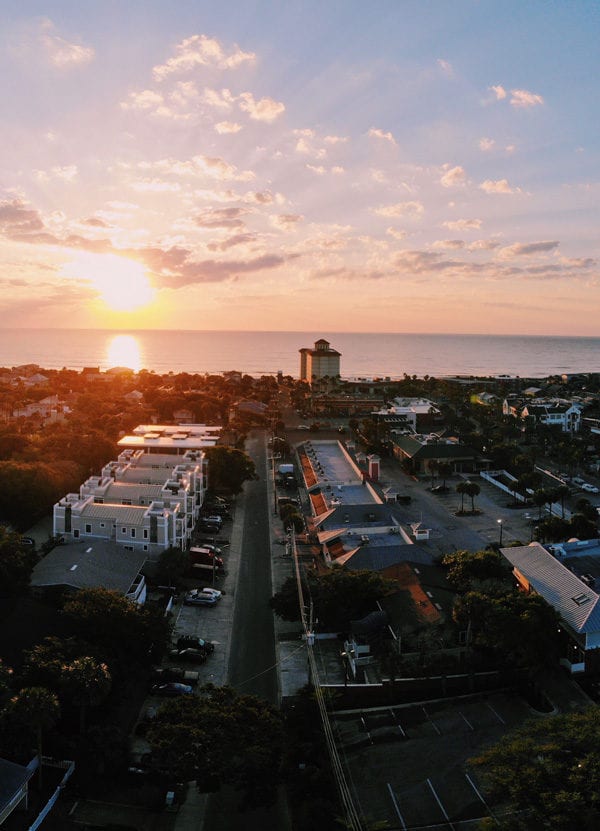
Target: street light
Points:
x,y
500,524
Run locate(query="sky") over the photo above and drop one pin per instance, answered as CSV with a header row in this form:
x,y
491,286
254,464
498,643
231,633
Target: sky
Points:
x,y
391,166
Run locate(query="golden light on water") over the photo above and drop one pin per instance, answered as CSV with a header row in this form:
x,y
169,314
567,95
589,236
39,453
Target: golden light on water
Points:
x,y
124,350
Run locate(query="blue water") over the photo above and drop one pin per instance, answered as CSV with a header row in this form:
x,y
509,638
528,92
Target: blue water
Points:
x,y
256,353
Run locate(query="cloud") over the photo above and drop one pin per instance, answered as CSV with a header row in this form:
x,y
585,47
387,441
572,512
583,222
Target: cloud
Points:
x,y
264,197
318,169
498,186
61,53
147,99
176,270
401,209
225,127
338,170
221,218
446,67
499,92
231,242
221,99
452,244
17,219
454,177
483,245
486,144
304,147
155,186
198,51
523,98
527,249
265,109
286,222
198,166
462,224
396,233
335,139
375,132
68,173
94,222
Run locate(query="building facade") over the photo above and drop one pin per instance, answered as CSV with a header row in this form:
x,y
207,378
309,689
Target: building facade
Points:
x,y
320,362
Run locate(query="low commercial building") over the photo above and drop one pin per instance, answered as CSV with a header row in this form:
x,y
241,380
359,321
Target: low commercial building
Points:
x,y
567,576
417,451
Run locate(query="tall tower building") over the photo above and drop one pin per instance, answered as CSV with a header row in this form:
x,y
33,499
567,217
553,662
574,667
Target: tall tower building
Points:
x,y
319,362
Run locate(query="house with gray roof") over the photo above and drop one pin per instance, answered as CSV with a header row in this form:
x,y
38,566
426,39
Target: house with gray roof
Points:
x,y
416,451
567,576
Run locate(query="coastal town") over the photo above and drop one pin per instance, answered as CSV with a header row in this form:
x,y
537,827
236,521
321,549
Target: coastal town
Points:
x,y
274,602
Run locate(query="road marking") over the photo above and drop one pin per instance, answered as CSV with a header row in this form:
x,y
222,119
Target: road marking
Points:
x,y
467,722
433,724
498,716
400,817
439,802
398,725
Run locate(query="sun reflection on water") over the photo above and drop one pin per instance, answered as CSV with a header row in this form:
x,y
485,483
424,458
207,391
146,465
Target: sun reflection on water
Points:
x,y
124,350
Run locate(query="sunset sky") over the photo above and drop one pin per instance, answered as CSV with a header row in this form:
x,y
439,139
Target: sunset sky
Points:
x,y
394,165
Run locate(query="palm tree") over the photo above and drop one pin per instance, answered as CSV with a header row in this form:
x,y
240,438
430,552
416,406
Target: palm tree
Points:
x,y
561,492
432,467
87,682
462,489
472,489
37,709
540,498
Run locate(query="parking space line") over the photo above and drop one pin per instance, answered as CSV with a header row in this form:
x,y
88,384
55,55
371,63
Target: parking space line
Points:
x,y
498,716
400,817
398,725
477,791
433,724
364,724
466,720
439,802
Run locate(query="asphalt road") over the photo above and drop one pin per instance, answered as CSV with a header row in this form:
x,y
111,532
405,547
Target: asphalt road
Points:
x,y
252,659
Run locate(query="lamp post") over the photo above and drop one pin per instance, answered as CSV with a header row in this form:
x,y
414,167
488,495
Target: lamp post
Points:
x,y
500,524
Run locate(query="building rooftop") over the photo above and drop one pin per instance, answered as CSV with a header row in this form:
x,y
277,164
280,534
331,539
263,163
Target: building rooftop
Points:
x,y
85,564
564,575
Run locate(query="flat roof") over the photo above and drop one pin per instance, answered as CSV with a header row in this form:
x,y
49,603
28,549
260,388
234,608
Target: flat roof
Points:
x,y
89,564
192,442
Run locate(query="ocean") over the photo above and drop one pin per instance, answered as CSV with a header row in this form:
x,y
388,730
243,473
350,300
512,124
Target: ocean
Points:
x,y
258,353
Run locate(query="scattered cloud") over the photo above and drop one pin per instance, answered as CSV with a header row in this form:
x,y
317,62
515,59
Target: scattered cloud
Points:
x,y
454,177
375,132
226,127
401,209
68,173
527,249
446,67
462,224
335,139
62,53
396,233
221,218
221,99
318,169
198,51
147,99
265,109
499,92
486,144
286,222
232,242
452,244
498,186
523,98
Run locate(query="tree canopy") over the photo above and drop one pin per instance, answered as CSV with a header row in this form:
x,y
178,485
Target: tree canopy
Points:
x,y
549,773
229,468
16,563
220,737
339,596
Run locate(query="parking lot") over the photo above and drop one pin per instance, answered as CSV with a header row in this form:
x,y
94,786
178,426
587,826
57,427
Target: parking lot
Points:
x,y
408,765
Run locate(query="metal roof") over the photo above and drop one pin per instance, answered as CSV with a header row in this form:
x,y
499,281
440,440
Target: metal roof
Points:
x,y
574,600
86,564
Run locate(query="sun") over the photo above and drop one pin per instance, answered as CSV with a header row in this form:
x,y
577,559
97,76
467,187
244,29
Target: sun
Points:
x,y
121,283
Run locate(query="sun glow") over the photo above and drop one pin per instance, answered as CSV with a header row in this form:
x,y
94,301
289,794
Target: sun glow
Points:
x,y
124,350
121,283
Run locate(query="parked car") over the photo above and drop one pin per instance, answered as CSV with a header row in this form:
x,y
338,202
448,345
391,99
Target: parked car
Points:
x,y
172,688
589,488
198,598
28,541
303,427
440,489
193,642
164,675
209,590
212,527
197,656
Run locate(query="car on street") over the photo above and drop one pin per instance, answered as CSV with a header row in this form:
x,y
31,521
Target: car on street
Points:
x,y
196,656
164,675
589,488
210,591
303,427
198,598
194,642
172,689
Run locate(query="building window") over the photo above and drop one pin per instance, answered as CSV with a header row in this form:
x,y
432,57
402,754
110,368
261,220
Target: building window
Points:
x,y
76,533
88,528
133,532
145,548
123,530
126,502
102,525
145,533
